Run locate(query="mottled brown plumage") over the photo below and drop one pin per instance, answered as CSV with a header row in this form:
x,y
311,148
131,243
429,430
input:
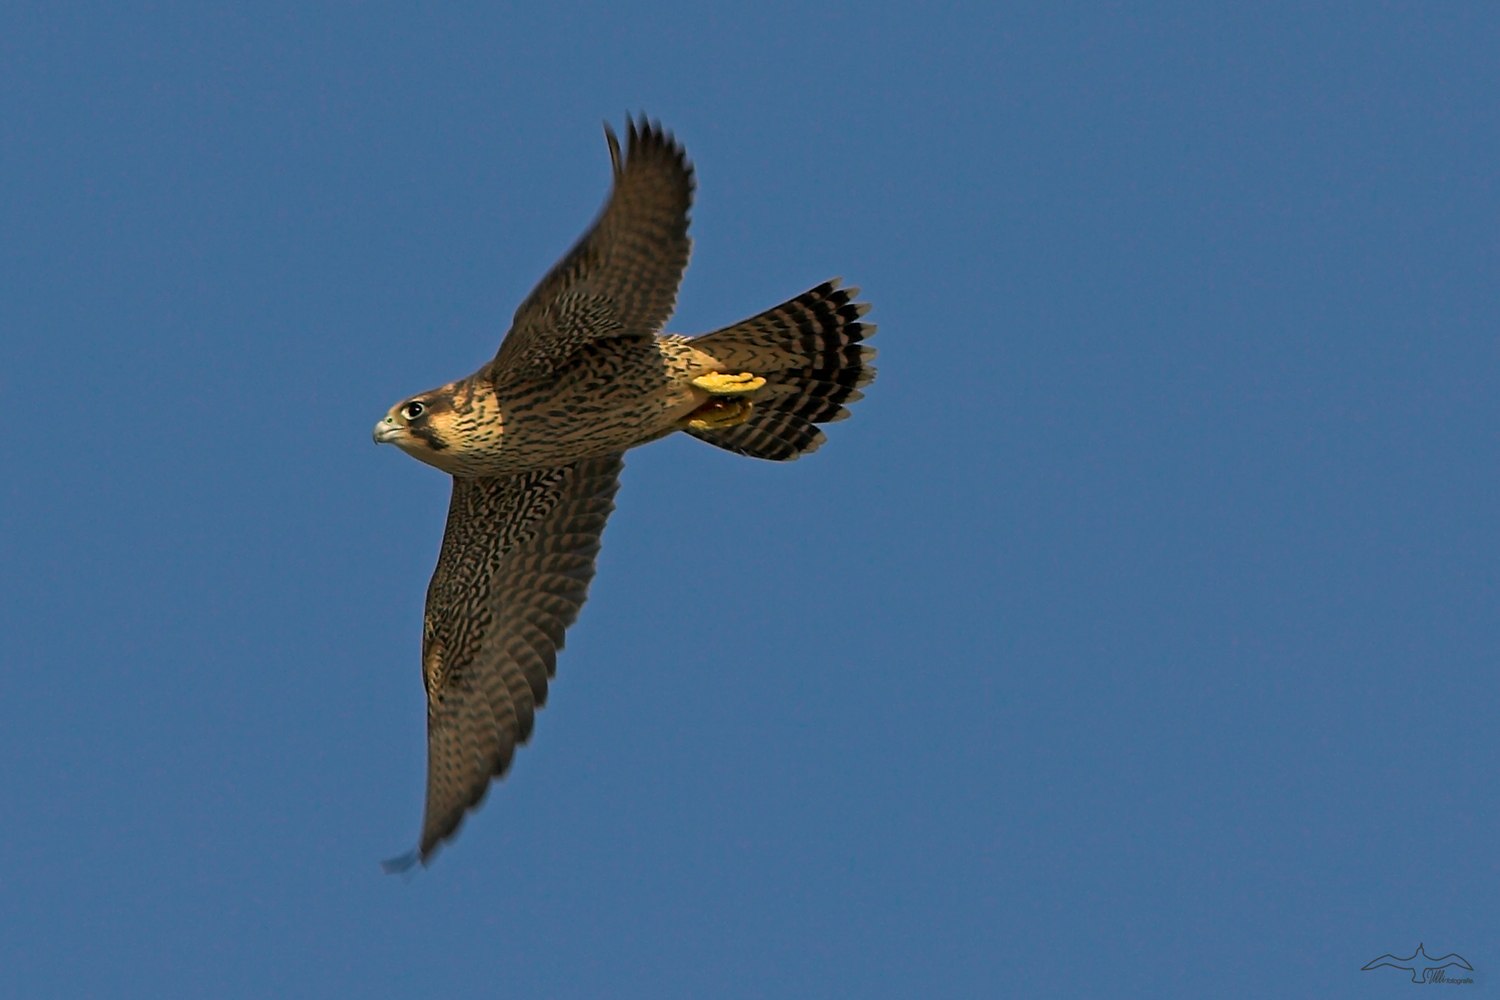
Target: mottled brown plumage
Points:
x,y
534,441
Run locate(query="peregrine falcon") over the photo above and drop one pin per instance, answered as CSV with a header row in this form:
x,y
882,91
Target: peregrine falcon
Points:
x,y
534,440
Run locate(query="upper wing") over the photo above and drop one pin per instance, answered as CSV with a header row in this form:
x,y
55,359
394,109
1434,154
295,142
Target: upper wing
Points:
x,y
517,558
621,278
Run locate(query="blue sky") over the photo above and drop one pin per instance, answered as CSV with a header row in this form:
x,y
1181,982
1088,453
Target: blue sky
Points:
x,y
1136,637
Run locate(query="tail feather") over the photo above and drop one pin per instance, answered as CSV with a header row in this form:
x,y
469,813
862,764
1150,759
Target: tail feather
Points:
x,y
777,437
810,351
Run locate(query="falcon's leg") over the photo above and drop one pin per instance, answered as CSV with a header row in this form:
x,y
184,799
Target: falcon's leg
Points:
x,y
719,413
720,384
728,403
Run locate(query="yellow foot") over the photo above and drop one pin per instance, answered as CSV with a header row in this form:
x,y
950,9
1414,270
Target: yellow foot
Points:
x,y
720,384
716,414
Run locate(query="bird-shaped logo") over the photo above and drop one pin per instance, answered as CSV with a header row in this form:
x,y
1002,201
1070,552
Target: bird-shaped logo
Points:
x,y
1420,964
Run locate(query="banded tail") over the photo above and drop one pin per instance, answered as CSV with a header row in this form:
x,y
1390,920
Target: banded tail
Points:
x,y
809,351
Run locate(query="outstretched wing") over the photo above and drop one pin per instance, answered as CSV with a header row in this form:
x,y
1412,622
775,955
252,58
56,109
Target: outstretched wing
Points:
x,y
518,555
621,278
1377,963
1458,960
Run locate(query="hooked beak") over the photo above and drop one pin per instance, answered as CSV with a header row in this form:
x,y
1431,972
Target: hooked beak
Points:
x,y
386,431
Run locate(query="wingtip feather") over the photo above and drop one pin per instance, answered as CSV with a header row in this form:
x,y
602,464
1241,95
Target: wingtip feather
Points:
x,y
402,864
614,150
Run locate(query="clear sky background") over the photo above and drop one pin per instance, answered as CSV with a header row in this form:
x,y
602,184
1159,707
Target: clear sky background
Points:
x,y
1136,637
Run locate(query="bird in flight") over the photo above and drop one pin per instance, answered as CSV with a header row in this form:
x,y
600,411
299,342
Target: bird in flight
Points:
x,y
534,441
1420,971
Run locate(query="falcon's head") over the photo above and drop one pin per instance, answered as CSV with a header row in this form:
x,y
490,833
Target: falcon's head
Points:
x,y
454,427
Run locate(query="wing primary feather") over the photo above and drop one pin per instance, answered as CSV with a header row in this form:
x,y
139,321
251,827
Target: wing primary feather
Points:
x,y
616,166
401,865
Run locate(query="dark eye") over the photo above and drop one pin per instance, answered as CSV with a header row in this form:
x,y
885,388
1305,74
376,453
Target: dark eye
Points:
x,y
414,410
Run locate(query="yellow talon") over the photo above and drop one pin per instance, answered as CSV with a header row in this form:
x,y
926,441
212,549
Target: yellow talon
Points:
x,y
717,414
720,384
